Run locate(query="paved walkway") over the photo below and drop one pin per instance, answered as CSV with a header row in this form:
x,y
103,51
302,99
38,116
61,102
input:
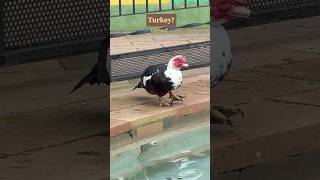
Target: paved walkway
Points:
x,y
132,110
275,80
45,133
132,43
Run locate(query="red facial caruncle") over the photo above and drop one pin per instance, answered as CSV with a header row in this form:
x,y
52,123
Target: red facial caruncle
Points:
x,y
226,9
180,61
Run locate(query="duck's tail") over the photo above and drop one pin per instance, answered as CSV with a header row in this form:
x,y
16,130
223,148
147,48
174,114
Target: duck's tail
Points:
x,y
137,86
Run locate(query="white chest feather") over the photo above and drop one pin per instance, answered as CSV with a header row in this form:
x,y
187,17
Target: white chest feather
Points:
x,y
175,75
145,79
220,52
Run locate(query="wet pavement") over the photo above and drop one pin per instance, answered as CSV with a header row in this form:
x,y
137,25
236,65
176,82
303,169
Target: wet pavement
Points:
x,y
275,80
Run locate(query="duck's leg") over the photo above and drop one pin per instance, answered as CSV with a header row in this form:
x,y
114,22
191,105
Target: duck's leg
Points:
x,y
222,114
174,97
163,103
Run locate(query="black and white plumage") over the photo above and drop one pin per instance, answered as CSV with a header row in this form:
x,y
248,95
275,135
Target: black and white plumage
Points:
x,y
223,11
161,79
221,53
98,74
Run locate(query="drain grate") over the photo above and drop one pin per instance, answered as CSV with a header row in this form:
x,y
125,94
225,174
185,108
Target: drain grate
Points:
x,y
131,65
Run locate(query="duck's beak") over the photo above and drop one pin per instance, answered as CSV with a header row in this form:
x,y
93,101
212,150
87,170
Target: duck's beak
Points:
x,y
240,11
185,65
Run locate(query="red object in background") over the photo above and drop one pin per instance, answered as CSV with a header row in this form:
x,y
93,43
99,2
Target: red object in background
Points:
x,y
220,8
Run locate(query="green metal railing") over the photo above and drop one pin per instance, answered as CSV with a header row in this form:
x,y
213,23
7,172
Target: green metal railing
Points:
x,y
124,9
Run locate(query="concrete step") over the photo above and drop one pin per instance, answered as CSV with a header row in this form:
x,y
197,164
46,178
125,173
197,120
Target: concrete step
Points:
x,y
45,133
274,79
281,118
140,112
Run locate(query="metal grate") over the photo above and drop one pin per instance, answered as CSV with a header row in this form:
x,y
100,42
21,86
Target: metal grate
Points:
x,y
271,5
29,23
131,65
267,11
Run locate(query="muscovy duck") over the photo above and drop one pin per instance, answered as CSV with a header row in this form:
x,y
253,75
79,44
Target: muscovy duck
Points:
x,y
161,79
221,12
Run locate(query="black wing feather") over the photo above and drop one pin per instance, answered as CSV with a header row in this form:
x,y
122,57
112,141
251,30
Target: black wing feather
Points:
x,y
98,73
154,69
151,70
160,82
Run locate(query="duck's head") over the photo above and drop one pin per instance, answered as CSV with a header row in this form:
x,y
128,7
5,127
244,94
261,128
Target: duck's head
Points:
x,y
178,62
224,10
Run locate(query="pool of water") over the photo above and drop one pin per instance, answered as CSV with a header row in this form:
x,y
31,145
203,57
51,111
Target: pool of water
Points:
x,y
179,153
195,166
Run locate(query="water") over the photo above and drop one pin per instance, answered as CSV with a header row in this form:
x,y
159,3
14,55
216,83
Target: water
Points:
x,y
191,167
